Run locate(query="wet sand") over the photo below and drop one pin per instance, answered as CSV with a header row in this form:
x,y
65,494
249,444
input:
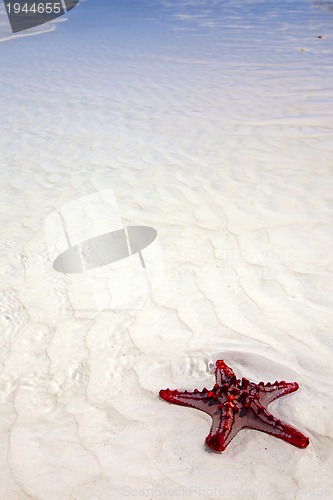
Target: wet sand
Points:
x,y
213,126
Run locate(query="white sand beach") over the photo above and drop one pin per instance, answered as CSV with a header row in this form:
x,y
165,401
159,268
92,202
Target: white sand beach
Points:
x,y
211,122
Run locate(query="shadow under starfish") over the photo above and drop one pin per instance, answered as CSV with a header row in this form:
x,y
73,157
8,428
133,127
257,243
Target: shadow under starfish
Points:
x,y
236,403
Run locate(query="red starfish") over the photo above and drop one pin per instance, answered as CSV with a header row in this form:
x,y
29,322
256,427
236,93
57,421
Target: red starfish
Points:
x,y
234,404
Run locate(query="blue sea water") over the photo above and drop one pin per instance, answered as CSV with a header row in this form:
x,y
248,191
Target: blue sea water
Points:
x,y
188,26
211,121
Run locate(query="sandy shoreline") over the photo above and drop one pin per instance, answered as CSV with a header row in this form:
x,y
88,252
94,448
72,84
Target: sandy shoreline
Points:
x,y
223,145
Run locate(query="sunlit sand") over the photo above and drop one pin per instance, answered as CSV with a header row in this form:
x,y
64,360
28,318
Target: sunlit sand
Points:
x,y
212,124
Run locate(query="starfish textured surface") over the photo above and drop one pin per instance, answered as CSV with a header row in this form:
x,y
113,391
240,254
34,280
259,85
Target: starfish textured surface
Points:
x,y
236,403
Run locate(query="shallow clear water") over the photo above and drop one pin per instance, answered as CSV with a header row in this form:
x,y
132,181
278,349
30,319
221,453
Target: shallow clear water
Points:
x,y
211,122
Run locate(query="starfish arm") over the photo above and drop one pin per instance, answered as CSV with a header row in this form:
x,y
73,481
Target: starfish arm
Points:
x,y
224,428
259,418
270,392
223,373
195,399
